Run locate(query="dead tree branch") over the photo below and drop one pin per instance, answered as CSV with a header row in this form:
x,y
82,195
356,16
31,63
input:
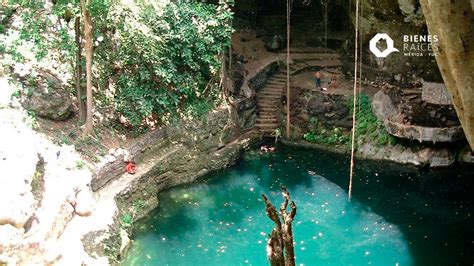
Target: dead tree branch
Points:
x,y
281,238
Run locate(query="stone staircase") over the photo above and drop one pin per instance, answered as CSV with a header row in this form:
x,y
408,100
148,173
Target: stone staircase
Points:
x,y
269,98
269,102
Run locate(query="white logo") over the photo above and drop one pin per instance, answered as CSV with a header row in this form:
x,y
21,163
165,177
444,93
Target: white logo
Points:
x,y
376,51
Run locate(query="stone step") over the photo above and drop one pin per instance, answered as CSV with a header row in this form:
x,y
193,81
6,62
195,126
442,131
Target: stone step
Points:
x,y
267,116
272,89
275,83
274,97
322,63
261,105
268,101
269,88
269,97
261,120
271,94
267,110
313,56
298,66
308,50
269,125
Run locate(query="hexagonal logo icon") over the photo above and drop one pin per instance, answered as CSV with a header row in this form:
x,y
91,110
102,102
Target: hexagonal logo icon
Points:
x,y
376,51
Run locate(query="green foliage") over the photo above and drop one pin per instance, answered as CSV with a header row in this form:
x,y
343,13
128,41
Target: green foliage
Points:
x,y
321,135
32,114
65,140
310,137
126,220
152,61
368,127
166,57
138,206
80,164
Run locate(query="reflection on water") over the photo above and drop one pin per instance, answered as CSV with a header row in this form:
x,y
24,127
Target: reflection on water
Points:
x,y
397,216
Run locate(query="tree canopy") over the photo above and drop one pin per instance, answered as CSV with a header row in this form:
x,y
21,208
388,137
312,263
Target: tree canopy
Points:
x,y
152,60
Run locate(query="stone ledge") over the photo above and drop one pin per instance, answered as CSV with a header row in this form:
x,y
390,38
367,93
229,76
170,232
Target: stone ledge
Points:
x,y
387,111
428,134
436,93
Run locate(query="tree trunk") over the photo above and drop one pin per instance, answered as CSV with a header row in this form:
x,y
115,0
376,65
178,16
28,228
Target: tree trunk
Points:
x,y
88,129
453,22
226,84
79,89
281,238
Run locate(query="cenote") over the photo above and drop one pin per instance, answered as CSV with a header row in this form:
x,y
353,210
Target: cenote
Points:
x,y
399,215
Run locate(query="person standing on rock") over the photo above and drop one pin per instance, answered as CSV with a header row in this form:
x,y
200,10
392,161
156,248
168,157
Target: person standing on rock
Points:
x,y
317,78
333,81
277,134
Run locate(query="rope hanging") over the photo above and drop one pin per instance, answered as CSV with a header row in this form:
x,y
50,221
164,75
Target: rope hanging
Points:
x,y
351,171
360,62
325,4
288,15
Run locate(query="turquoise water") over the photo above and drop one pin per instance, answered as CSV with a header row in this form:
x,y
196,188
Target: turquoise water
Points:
x,y
398,215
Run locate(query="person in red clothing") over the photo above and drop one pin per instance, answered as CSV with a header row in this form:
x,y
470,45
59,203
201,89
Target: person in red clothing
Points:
x,y
130,168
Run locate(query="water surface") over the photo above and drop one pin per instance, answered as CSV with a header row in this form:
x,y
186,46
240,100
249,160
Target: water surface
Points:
x,y
398,215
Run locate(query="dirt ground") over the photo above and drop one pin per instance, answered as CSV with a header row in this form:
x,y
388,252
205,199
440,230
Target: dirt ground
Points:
x,y
69,132
246,43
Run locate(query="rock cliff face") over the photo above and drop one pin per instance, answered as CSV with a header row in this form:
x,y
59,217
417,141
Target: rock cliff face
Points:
x,y
43,187
330,109
453,22
167,157
397,19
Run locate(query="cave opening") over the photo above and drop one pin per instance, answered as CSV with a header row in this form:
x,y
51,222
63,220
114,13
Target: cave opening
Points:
x,y
268,18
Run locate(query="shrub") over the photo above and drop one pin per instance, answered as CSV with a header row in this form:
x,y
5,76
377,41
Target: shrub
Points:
x,y
368,127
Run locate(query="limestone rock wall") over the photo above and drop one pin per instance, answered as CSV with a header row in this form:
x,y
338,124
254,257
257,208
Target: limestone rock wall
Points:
x,y
43,187
395,18
184,153
453,22
329,109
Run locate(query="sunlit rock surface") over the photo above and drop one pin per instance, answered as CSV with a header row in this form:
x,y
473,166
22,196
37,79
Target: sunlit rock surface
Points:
x,y
38,188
